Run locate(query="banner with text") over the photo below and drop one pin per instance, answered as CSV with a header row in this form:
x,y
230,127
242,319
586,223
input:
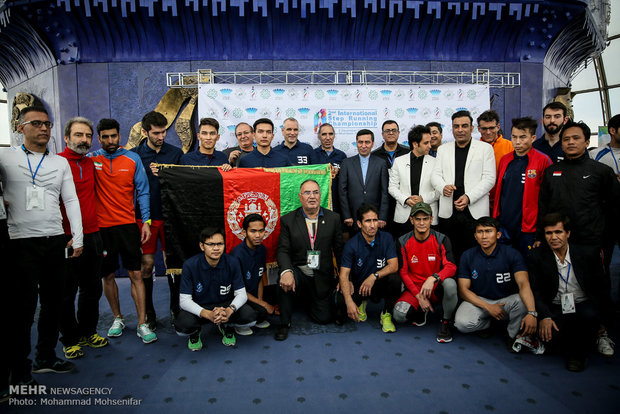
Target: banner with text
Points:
x,y
348,108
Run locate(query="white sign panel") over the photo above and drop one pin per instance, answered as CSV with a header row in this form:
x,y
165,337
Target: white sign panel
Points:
x,y
348,108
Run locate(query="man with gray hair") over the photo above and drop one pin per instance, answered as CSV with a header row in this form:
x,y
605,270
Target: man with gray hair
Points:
x,y
298,153
84,272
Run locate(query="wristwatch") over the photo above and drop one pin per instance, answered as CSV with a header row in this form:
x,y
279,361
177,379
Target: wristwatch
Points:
x,y
533,313
376,275
233,307
437,278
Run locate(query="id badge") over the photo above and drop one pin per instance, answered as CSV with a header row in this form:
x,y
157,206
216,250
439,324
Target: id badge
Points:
x,y
35,198
2,209
314,259
568,303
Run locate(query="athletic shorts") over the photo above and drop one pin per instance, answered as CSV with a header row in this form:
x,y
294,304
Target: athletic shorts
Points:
x,y
157,233
123,240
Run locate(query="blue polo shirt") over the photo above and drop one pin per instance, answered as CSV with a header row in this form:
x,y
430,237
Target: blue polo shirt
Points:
x,y
365,258
198,158
256,159
209,285
334,157
492,276
300,154
168,154
556,153
252,264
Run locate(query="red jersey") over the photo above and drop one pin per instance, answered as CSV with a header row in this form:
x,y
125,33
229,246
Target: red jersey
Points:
x,y
422,259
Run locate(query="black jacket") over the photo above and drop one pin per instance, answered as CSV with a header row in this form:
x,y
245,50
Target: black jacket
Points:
x,y
586,191
382,153
294,244
588,267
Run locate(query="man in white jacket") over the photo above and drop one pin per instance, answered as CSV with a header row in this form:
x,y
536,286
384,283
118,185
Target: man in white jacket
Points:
x,y
410,180
463,176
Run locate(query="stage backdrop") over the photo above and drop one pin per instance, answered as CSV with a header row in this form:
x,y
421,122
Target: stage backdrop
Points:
x,y
348,108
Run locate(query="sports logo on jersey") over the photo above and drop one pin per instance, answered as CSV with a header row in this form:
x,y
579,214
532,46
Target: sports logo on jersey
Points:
x,y
414,259
531,173
381,263
199,287
557,173
248,275
474,274
98,165
360,262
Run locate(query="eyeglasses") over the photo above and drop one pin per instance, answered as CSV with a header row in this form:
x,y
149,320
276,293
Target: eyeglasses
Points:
x,y
308,193
214,244
37,124
485,129
391,131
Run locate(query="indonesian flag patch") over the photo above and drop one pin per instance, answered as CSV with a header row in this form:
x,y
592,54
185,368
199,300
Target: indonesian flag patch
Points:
x,y
557,173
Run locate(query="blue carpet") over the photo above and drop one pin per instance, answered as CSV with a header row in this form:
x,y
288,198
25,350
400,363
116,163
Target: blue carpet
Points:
x,y
355,368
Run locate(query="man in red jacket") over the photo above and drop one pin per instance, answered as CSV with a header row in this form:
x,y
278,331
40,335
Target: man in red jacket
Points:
x,y
85,270
519,178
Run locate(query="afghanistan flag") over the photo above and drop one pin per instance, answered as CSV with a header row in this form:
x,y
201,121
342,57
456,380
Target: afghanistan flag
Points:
x,y
197,197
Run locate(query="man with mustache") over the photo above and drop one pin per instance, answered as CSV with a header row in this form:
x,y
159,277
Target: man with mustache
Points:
x,y
245,137
120,175
84,272
554,118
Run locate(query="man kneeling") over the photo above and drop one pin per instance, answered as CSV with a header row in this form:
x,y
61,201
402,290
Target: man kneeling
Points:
x,y
369,270
428,273
494,284
205,293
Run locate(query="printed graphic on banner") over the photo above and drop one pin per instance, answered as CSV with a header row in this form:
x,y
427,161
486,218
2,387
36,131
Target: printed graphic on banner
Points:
x,y
348,108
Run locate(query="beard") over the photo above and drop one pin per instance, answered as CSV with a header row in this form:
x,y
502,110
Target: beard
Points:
x,y
81,148
552,128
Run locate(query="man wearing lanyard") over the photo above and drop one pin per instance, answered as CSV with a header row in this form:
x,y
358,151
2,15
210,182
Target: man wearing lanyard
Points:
x,y
35,180
588,193
570,289
309,239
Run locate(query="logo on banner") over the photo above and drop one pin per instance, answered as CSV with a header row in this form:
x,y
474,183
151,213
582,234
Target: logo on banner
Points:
x,y
279,92
435,94
226,93
319,119
248,203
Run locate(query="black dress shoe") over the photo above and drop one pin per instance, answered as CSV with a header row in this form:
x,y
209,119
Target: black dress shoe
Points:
x,y
281,333
575,364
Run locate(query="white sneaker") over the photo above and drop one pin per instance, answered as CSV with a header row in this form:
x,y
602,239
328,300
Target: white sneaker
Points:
x,y
117,327
145,333
605,345
263,324
243,330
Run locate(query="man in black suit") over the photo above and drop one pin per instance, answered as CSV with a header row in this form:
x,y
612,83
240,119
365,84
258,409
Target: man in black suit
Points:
x,y
309,238
570,289
363,180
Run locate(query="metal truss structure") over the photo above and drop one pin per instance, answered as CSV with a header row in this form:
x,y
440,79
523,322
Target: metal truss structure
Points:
x,y
350,77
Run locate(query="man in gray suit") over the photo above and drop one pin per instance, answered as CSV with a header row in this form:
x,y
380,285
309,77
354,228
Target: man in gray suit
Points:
x,y
363,180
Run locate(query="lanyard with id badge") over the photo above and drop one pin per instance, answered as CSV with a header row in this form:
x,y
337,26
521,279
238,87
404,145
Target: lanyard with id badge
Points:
x,y
35,196
313,259
568,299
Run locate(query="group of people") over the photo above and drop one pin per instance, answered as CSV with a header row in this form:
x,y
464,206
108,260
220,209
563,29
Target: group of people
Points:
x,y
413,226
